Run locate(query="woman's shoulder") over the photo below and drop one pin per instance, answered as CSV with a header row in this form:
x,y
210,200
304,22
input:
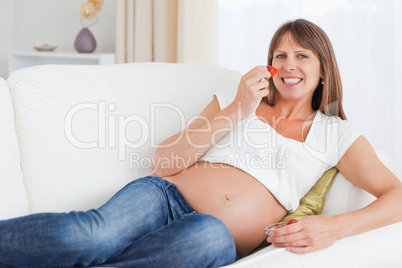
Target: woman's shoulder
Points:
x,y
336,128
336,135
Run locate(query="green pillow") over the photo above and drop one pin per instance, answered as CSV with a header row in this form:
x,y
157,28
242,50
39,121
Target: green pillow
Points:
x,y
313,202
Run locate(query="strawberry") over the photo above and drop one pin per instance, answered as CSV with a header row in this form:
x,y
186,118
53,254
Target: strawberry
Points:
x,y
272,70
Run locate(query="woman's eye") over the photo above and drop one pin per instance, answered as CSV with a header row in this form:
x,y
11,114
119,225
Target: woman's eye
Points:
x,y
280,56
303,56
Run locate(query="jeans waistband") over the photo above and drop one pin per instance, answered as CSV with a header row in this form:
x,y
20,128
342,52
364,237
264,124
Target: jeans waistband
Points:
x,y
179,198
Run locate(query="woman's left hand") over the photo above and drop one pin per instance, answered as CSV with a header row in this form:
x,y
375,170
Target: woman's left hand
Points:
x,y
307,235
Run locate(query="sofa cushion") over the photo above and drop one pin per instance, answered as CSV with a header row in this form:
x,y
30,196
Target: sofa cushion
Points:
x,y
86,131
344,197
13,198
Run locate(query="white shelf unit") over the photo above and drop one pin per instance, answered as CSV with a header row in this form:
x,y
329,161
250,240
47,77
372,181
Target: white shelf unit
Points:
x,y
23,59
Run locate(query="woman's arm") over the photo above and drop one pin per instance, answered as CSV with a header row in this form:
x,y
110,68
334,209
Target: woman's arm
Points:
x,y
361,166
183,149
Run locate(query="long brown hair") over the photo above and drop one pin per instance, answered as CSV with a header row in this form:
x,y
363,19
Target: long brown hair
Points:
x,y
327,97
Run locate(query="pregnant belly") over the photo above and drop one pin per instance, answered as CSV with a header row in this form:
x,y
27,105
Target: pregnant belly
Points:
x,y
233,196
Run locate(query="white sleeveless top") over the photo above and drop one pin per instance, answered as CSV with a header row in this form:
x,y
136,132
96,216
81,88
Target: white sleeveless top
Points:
x,y
286,167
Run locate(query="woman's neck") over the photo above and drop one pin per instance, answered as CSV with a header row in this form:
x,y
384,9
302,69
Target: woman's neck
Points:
x,y
293,110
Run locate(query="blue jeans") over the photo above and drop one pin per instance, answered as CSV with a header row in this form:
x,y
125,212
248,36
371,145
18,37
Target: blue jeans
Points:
x,y
148,223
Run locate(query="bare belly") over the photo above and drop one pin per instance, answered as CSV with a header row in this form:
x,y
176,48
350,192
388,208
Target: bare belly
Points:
x,y
234,197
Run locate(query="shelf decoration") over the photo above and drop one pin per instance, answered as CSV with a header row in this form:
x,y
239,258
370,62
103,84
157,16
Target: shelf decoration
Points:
x,y
85,41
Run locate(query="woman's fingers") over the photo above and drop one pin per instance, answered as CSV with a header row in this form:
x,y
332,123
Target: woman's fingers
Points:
x,y
255,81
253,86
258,69
260,86
287,234
260,73
255,75
287,229
307,235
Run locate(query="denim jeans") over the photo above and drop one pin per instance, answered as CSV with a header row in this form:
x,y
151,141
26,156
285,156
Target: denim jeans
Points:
x,y
148,223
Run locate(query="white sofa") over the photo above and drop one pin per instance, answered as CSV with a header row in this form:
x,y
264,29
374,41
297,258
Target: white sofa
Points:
x,y
71,136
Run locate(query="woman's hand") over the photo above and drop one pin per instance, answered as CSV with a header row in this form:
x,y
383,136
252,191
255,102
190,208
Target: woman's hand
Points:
x,y
252,87
307,235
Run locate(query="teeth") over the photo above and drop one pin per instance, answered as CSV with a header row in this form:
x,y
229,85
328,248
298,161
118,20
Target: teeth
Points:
x,y
291,80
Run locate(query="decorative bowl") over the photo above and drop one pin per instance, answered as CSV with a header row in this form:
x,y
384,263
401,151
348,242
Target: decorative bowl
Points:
x,y
45,47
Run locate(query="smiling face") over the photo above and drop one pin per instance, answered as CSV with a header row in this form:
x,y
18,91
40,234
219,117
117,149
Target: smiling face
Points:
x,y
299,70
304,36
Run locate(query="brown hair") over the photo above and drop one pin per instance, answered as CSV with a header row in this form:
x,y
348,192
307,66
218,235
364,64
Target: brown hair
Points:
x,y
327,97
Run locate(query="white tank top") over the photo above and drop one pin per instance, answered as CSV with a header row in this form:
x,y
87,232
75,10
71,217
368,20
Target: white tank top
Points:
x,y
286,167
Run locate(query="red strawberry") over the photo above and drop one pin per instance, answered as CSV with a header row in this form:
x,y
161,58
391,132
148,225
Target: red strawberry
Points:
x,y
272,70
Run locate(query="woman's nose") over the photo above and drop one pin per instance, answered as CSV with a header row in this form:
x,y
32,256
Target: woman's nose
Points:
x,y
289,64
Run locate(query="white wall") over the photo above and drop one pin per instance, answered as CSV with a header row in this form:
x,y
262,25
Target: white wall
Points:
x,y
7,32
28,23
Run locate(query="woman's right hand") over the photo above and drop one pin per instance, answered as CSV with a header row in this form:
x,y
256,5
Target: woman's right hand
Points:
x,y
252,88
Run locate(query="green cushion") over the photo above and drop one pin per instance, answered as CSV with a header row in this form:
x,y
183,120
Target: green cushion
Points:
x,y
313,202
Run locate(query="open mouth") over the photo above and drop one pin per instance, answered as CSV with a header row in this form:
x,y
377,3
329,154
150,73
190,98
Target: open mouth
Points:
x,y
291,81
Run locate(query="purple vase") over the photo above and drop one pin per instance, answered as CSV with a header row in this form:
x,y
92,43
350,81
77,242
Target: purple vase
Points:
x,y
85,41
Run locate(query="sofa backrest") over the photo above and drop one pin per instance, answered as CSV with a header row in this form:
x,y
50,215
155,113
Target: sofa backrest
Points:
x,y
13,198
86,131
